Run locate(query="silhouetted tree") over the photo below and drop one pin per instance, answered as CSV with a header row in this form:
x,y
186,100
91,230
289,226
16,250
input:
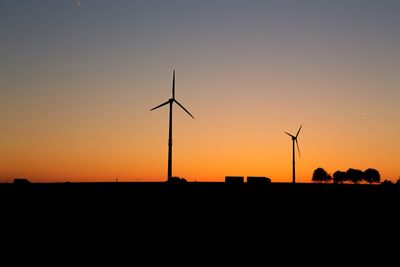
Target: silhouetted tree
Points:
x,y
372,176
320,175
398,181
355,175
339,177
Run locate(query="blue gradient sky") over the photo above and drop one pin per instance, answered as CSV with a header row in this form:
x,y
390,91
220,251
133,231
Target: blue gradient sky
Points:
x,y
76,86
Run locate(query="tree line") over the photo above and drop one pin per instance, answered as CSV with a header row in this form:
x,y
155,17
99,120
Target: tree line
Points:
x,y
355,176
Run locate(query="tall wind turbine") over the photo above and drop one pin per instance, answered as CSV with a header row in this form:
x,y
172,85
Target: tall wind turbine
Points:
x,y
170,102
294,140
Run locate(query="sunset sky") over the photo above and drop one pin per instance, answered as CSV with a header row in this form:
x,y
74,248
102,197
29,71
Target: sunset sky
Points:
x,y
77,85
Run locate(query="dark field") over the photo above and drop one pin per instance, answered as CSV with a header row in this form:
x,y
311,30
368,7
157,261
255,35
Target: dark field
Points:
x,y
125,199
202,219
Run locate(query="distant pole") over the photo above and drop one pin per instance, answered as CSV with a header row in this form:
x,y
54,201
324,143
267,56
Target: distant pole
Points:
x,y
170,142
294,163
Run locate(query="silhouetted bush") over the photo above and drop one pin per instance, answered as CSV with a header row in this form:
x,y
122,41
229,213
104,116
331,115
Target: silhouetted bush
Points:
x,y
398,181
355,175
176,179
387,182
21,181
372,176
321,176
339,177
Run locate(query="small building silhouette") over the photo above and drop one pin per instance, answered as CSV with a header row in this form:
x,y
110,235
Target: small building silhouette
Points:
x,y
258,180
234,180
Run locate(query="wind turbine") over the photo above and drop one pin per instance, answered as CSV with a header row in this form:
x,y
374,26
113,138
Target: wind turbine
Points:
x,y
294,140
170,102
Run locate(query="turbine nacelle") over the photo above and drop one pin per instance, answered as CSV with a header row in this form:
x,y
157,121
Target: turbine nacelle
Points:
x,y
293,137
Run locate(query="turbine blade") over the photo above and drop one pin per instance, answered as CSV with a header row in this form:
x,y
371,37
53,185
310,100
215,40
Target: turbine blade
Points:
x,y
298,148
299,130
289,134
184,109
159,106
173,86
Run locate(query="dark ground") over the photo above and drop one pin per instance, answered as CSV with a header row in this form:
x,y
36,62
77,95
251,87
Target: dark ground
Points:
x,y
204,217
206,200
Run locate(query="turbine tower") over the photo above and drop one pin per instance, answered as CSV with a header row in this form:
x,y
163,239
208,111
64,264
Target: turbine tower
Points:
x,y
294,140
170,102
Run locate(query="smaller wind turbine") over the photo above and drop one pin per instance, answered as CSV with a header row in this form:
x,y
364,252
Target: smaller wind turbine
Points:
x,y
170,102
294,140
